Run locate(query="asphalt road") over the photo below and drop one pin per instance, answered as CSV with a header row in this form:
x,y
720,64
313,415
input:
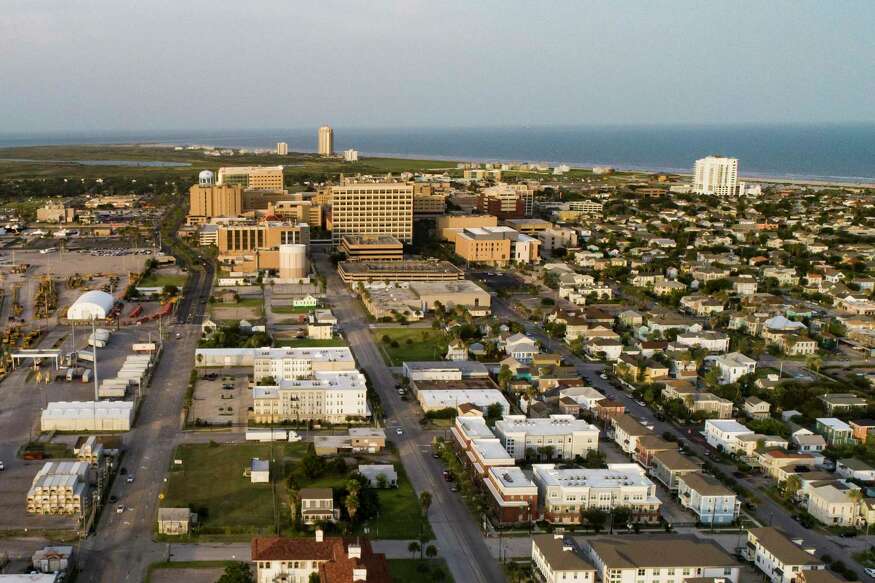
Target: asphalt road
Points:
x,y
122,548
459,540
768,512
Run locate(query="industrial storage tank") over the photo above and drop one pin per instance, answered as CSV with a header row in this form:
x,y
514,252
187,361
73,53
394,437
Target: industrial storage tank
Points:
x,y
293,261
92,305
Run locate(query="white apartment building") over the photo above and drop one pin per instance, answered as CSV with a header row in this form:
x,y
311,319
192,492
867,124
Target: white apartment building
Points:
x,y
723,434
376,208
282,149
567,436
334,397
716,175
778,557
556,238
350,155
733,366
564,494
661,559
282,364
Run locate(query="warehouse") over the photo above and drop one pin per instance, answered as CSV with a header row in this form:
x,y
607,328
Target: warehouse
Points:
x,y
87,416
92,305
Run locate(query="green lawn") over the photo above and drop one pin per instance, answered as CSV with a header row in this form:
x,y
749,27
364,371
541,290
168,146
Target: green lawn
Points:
x,y
290,310
424,571
310,342
412,344
158,279
210,481
399,516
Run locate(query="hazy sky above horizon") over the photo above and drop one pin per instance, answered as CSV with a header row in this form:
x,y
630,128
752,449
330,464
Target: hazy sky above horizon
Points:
x,y
195,64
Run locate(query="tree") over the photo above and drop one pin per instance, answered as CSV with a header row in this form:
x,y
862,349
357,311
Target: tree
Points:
x,y
236,573
425,502
413,548
312,465
352,504
792,486
314,578
504,376
382,481
595,518
814,362
170,290
431,551
494,412
620,515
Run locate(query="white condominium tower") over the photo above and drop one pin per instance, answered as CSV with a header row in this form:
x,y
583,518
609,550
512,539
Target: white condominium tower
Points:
x,y
716,175
326,141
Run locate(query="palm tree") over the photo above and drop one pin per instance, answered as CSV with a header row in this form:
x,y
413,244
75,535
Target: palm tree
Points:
x,y
413,548
425,502
792,485
352,504
431,551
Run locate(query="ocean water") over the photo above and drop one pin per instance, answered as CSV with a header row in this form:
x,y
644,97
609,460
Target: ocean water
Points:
x,y
816,152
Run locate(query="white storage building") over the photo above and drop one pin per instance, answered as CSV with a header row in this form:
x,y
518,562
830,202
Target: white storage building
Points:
x,y
92,305
87,416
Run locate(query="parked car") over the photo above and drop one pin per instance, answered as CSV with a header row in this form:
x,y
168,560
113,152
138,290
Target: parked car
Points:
x,y
130,478
2,467
399,431
120,508
870,571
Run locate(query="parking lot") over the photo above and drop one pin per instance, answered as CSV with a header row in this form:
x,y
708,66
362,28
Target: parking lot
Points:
x,y
221,397
21,401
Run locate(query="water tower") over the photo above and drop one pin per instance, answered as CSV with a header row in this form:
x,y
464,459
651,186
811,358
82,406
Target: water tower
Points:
x,y
205,178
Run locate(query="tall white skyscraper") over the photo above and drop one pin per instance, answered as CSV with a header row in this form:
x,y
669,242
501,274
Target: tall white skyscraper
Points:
x,y
326,141
282,149
716,175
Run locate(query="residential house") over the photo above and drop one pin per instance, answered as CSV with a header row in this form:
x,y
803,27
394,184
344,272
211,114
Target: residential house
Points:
x,y
733,366
833,504
607,409
854,469
317,505
861,429
626,431
521,347
668,466
756,408
709,340
649,445
711,501
780,559
332,560
842,402
780,464
723,434
835,431
807,441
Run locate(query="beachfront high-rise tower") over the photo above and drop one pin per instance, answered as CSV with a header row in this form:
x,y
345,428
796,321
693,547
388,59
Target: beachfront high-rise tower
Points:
x,y
326,141
716,175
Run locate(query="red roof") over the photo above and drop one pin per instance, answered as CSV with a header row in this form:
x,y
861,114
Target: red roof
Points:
x,y
336,566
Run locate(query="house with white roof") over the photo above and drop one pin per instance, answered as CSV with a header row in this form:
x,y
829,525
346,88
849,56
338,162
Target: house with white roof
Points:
x,y
521,347
733,366
723,434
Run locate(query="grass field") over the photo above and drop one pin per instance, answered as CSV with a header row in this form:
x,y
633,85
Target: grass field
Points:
x,y
412,344
400,516
161,279
211,481
66,162
290,310
424,571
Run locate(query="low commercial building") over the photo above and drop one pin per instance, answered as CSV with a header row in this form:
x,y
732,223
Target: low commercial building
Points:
x,y
780,559
558,560
559,436
661,558
711,501
175,521
333,397
251,247
357,440
379,475
87,416
442,370
496,246
437,399
60,488
55,559
565,494
371,248
353,272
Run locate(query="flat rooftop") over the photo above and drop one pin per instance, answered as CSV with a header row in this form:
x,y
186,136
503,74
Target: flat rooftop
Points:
x,y
412,266
615,476
554,425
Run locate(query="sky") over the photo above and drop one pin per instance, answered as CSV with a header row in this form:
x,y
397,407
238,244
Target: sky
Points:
x,y
81,65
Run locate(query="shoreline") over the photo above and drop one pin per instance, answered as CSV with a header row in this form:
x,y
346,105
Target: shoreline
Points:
x,y
763,177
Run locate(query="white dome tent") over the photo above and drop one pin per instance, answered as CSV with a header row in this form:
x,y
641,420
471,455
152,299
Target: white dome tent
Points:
x,y
92,305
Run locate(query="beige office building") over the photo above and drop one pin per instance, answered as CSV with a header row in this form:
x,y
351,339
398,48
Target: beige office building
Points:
x,y
282,149
253,247
326,141
448,226
255,177
372,209
372,248
208,201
